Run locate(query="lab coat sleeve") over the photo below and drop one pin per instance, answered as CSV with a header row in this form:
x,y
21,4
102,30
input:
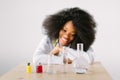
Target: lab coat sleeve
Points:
x,y
88,56
41,54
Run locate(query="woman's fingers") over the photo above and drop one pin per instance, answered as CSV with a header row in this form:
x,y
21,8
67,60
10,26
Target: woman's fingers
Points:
x,y
55,51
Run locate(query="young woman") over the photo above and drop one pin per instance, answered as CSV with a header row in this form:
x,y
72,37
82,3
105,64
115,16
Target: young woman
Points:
x,y
65,29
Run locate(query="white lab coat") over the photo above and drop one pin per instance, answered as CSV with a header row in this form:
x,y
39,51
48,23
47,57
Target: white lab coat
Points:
x,y
41,53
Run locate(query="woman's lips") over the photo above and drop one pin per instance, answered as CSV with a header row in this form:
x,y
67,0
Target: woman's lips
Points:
x,y
64,40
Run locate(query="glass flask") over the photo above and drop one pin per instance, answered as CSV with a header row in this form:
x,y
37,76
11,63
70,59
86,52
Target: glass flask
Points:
x,y
79,64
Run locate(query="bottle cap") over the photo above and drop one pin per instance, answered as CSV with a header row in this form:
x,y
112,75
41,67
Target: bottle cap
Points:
x,y
28,64
39,63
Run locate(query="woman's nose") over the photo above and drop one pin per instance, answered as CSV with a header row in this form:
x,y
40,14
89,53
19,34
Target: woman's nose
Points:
x,y
67,35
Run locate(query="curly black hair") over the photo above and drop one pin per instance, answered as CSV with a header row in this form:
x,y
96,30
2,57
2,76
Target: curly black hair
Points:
x,y
82,20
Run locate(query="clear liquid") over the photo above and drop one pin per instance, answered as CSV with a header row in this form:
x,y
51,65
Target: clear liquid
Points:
x,y
50,69
50,66
79,70
78,66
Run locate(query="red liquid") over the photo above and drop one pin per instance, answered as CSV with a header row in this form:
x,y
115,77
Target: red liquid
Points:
x,y
39,69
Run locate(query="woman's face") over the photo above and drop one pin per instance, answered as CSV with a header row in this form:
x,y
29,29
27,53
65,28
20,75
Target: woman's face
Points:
x,y
67,34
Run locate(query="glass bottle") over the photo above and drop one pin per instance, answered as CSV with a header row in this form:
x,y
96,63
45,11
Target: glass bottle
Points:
x,y
39,68
28,68
79,64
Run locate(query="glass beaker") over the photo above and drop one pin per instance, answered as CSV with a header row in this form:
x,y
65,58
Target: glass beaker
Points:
x,y
50,65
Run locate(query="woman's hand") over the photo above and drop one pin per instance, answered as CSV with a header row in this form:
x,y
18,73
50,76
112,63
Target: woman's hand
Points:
x,y
56,50
69,61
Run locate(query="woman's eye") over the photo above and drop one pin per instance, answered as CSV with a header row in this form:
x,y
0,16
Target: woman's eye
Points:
x,y
64,30
73,35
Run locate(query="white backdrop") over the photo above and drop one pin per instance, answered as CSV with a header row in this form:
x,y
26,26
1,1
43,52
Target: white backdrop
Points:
x,y
20,29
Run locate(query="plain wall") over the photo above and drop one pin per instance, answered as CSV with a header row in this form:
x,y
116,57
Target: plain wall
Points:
x,y
20,30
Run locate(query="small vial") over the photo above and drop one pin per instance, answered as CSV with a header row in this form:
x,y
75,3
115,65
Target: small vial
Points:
x,y
28,68
39,68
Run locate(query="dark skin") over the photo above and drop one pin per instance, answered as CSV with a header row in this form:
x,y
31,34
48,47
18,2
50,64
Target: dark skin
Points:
x,y
56,51
66,35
